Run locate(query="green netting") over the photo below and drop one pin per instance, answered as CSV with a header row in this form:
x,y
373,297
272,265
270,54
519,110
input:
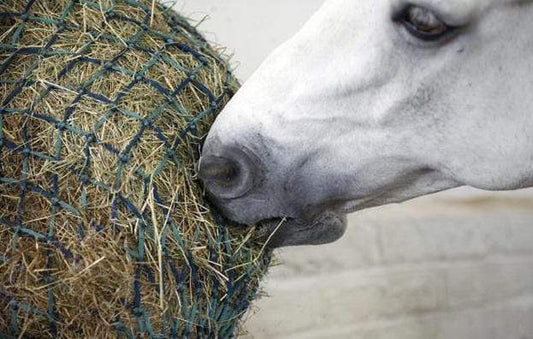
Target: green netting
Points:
x,y
104,231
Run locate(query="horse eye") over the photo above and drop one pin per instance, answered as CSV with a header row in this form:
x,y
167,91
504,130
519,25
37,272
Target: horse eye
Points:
x,y
423,23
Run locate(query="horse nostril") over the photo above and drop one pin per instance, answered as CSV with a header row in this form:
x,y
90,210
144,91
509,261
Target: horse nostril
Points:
x,y
228,176
220,170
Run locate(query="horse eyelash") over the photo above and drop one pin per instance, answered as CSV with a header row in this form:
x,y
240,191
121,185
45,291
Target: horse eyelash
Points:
x,y
400,18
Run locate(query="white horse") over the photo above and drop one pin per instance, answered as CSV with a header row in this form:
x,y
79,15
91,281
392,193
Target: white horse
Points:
x,y
374,102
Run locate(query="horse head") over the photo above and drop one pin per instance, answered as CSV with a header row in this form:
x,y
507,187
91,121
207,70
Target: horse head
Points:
x,y
375,102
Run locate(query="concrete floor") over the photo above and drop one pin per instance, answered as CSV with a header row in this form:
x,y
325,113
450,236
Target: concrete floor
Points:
x,y
453,265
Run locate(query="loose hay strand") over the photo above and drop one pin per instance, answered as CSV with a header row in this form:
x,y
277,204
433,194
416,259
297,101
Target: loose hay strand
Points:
x,y
104,230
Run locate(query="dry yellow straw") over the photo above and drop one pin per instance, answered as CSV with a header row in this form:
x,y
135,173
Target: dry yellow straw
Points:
x,y
104,229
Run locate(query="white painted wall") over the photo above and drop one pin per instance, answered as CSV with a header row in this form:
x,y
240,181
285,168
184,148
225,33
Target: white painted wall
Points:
x,y
453,265
251,29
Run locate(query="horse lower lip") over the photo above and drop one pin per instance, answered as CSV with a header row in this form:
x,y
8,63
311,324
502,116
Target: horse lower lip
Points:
x,y
325,228
270,225
267,228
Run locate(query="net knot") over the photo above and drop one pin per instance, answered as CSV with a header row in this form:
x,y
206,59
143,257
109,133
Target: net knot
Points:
x,y
123,158
14,305
90,138
137,312
85,179
61,126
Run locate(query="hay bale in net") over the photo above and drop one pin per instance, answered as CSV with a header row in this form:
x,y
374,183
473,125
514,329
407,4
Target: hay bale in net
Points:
x,y
104,231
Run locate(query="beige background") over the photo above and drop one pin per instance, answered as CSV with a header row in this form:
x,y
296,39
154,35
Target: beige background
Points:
x,y
453,265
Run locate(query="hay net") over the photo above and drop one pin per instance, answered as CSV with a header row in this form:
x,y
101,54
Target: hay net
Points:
x,y
104,231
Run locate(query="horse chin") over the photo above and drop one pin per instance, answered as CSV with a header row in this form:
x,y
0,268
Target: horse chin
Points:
x,y
325,228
